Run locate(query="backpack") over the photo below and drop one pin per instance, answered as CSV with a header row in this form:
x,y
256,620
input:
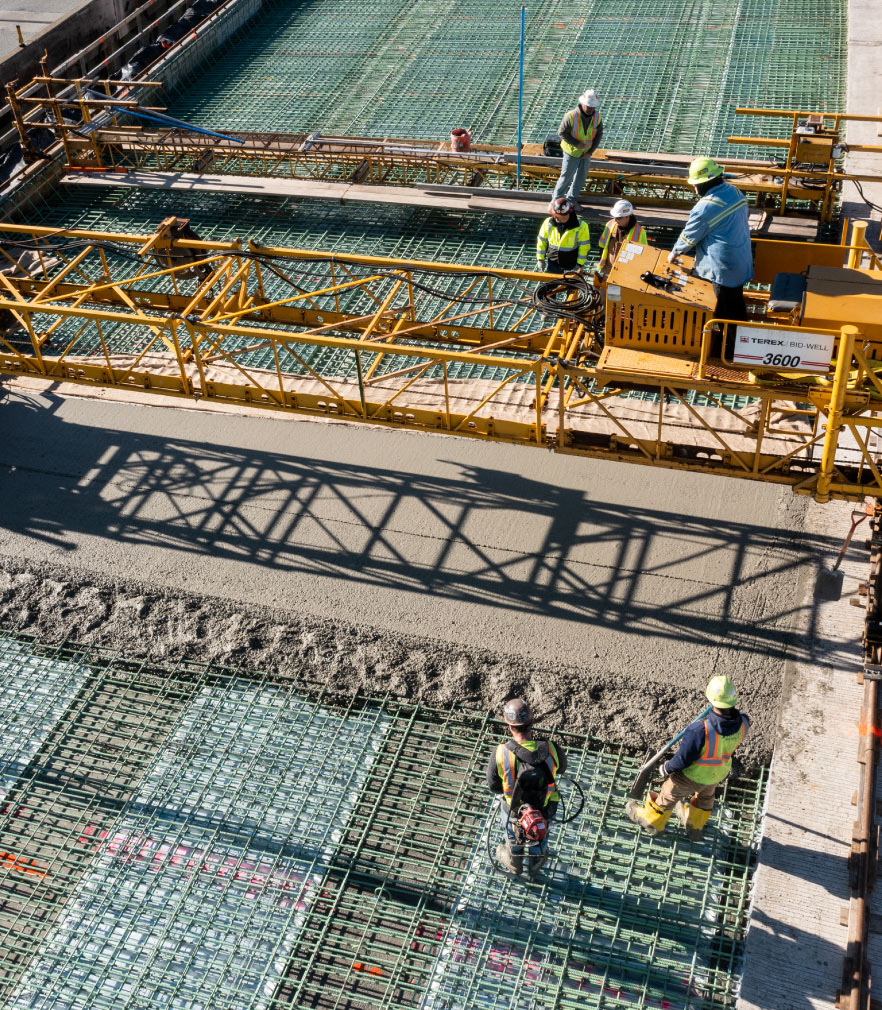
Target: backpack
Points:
x,y
533,778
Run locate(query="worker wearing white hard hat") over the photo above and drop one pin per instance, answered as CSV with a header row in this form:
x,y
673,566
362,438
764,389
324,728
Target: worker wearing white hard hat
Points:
x,y
699,766
579,132
622,228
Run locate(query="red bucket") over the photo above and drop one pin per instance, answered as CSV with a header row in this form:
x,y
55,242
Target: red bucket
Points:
x,y
460,139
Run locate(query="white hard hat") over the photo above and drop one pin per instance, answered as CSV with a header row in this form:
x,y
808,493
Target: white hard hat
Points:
x,y
622,208
589,98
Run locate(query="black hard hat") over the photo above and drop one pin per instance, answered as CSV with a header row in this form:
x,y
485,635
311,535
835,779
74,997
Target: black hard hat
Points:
x,y
517,712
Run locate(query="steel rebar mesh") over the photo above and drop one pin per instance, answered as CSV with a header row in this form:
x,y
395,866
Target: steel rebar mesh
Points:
x,y
192,836
669,75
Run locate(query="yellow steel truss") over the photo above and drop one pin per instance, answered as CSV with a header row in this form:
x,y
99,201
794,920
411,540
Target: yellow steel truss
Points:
x,y
425,346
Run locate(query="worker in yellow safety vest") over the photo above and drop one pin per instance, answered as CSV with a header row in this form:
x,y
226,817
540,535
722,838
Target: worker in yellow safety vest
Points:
x,y
580,132
523,771
699,766
622,228
564,241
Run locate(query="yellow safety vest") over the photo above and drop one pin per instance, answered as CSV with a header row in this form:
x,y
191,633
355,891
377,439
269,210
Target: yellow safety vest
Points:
x,y
507,767
636,234
715,762
583,134
572,244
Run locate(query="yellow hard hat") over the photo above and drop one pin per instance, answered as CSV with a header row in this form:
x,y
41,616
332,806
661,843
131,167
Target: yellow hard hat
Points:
x,y
703,170
721,692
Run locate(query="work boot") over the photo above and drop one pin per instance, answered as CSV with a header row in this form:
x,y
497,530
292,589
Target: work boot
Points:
x,y
508,861
649,817
692,819
534,865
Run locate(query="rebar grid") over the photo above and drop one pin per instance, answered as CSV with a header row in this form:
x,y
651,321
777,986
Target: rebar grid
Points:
x,y
669,74
190,836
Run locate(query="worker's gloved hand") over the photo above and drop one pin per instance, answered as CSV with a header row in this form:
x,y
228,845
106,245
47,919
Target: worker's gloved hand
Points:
x,y
662,771
672,258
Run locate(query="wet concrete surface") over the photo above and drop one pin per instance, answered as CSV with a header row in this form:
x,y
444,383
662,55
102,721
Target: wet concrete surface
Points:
x,y
443,569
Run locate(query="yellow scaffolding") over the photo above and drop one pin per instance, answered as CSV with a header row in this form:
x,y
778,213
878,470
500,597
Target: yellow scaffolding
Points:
x,y
425,346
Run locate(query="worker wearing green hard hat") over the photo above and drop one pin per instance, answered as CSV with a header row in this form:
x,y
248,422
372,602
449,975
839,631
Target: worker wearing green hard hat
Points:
x,y
703,761
719,233
703,170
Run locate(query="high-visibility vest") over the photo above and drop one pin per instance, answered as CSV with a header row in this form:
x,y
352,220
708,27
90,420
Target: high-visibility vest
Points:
x,y
716,758
584,134
636,234
572,244
507,767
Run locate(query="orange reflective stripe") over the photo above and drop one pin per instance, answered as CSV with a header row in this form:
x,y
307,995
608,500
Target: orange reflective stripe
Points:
x,y
711,754
508,777
737,742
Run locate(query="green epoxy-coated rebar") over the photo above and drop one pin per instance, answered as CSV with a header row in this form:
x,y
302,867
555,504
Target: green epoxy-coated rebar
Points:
x,y
193,836
669,74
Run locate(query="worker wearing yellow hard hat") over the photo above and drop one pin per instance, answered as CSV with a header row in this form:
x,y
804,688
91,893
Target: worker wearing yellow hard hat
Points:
x,y
719,234
580,132
703,761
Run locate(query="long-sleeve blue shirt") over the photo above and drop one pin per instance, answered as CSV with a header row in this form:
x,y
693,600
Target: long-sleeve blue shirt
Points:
x,y
692,743
719,232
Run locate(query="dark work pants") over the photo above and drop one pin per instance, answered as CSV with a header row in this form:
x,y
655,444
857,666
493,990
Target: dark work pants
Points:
x,y
730,305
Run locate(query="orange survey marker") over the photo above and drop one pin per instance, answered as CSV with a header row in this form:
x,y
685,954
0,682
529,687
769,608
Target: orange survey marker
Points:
x,y
369,968
21,863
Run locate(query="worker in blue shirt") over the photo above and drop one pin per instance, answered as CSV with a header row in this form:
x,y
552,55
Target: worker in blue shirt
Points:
x,y
719,233
699,766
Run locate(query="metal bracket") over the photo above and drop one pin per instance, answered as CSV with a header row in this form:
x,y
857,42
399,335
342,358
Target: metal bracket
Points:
x,y
872,671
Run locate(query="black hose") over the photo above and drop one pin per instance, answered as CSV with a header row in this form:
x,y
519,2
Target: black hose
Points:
x,y
570,297
578,788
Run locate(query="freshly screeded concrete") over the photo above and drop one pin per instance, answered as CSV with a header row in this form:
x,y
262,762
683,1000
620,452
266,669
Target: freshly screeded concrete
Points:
x,y
450,570
797,937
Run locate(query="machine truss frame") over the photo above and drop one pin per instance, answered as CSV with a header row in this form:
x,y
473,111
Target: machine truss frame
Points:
x,y
424,346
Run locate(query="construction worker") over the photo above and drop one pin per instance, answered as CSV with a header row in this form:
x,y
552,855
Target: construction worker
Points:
x,y
523,770
719,233
580,132
563,241
699,766
621,229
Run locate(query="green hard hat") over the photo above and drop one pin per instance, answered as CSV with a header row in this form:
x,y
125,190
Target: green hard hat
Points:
x,y
721,692
703,170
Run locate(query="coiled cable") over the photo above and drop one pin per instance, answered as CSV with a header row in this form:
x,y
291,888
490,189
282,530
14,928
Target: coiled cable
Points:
x,y
571,296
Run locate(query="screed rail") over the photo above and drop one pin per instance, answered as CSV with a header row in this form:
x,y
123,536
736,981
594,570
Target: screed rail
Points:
x,y
435,347
93,122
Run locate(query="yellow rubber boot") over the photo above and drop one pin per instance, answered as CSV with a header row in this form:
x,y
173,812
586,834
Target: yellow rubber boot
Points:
x,y
692,819
649,817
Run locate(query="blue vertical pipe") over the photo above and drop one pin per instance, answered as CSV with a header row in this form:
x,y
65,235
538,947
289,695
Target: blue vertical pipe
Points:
x,y
521,97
